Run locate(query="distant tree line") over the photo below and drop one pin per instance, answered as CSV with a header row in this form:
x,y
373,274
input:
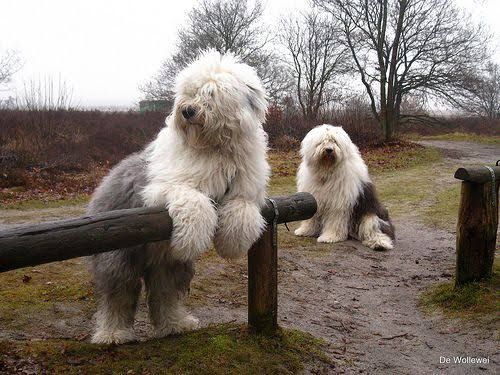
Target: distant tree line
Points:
x,y
398,52
388,57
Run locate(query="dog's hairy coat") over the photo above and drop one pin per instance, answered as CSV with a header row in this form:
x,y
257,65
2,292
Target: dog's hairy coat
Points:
x,y
208,166
333,171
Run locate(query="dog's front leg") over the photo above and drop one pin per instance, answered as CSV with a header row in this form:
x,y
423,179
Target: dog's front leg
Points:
x,y
195,220
335,227
308,228
240,225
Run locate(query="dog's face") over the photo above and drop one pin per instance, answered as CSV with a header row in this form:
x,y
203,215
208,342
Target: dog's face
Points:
x,y
326,146
217,98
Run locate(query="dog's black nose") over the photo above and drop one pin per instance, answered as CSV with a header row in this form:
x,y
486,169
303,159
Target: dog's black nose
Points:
x,y
188,112
328,150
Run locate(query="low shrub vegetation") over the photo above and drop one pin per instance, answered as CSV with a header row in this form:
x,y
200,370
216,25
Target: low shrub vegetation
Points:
x,y
473,301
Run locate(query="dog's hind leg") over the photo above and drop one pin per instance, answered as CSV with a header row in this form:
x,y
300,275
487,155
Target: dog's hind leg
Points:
x,y
166,287
371,235
116,311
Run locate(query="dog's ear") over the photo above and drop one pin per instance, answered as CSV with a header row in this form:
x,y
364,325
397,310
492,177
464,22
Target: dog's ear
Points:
x,y
257,102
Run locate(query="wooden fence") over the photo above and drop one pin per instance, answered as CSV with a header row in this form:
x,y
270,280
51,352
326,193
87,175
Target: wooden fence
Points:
x,y
49,242
477,223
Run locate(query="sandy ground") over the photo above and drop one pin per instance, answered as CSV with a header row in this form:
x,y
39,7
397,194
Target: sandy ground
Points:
x,y
364,304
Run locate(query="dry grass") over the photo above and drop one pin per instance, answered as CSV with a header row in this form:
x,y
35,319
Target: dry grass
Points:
x,y
479,301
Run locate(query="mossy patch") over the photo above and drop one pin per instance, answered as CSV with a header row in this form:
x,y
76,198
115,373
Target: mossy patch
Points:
x,y
222,349
29,294
473,301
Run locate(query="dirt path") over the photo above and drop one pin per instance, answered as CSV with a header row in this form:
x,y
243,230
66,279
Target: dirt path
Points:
x,y
364,304
468,152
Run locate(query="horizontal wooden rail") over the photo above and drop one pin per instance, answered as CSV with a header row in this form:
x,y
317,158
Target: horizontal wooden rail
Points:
x,y
60,240
66,239
477,174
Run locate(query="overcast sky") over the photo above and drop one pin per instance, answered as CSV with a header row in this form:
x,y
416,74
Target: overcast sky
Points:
x,y
104,49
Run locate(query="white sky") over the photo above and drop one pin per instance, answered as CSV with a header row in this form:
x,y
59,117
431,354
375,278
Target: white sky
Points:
x,y
104,49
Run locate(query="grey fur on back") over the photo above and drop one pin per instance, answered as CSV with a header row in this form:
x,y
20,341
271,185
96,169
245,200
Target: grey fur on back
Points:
x,y
117,274
121,187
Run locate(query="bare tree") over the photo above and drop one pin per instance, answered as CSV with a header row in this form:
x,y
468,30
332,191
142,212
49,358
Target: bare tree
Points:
x,y
405,46
10,63
226,26
316,58
46,94
481,92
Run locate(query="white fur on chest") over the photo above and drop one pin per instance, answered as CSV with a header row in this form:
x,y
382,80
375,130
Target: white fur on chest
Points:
x,y
335,190
172,165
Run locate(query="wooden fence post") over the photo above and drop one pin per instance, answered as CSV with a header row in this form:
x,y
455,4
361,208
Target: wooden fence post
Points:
x,y
477,223
263,284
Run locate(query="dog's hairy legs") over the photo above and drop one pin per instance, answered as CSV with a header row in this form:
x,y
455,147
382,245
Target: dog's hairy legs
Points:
x,y
371,235
335,228
195,220
116,310
166,287
240,225
240,221
308,228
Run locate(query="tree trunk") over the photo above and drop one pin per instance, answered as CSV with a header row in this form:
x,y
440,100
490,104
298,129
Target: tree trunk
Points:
x,y
387,123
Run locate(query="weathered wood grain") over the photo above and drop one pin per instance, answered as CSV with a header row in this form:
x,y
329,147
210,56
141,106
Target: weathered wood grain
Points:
x,y
476,232
477,174
263,284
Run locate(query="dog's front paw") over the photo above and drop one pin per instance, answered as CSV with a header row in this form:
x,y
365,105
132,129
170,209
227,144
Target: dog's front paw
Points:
x,y
240,225
305,230
117,336
331,238
195,222
184,324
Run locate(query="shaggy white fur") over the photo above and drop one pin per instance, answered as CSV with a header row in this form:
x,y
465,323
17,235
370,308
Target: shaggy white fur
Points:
x,y
216,157
333,171
209,167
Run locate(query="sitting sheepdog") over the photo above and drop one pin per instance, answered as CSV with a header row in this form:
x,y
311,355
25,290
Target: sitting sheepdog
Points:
x,y
333,171
208,166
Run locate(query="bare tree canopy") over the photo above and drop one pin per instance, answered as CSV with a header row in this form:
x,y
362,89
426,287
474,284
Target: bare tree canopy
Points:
x,y
9,65
317,59
481,92
405,46
226,26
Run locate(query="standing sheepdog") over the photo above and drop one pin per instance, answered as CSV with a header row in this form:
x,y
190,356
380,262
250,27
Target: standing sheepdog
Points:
x,y
208,167
333,171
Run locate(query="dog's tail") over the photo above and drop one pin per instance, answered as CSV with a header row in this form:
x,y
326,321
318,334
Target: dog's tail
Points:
x,y
376,233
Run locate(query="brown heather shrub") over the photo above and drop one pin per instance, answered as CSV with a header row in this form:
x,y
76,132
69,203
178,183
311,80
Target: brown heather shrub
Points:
x,y
73,140
80,140
286,130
